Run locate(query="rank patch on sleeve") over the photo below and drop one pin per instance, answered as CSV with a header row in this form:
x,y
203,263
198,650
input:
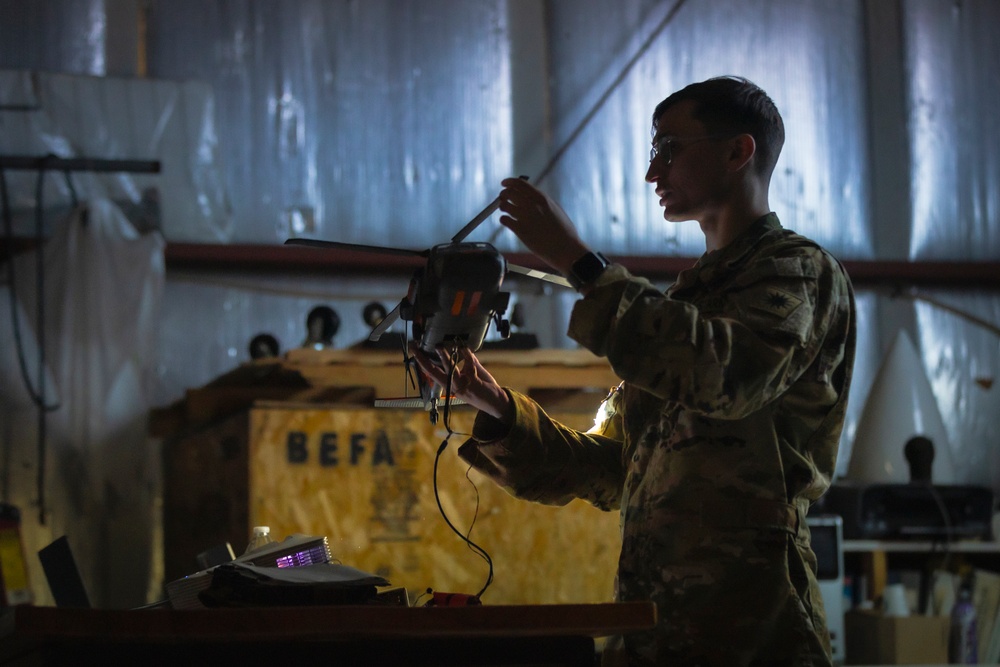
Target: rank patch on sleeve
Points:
x,y
777,302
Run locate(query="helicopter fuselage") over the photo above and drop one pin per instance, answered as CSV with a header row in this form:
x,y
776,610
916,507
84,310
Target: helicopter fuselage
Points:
x,y
455,296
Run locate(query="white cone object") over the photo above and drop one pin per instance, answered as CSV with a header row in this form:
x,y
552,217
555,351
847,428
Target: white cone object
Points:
x,y
900,406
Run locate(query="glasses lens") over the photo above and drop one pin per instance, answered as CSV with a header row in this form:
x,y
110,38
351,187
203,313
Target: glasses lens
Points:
x,y
660,147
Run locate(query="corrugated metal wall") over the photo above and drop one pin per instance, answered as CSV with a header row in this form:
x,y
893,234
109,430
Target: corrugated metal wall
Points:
x,y
952,93
808,56
360,121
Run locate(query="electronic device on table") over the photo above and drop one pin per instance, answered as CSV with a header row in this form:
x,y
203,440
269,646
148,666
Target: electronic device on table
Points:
x,y
294,551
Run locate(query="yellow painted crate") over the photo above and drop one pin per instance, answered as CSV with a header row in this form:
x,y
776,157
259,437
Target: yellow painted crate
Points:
x,y
364,478
264,445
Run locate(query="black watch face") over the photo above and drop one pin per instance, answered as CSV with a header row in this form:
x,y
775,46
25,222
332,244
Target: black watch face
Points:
x,y
589,267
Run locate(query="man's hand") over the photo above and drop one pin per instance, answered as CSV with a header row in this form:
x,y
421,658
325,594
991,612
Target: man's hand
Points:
x,y
541,224
470,382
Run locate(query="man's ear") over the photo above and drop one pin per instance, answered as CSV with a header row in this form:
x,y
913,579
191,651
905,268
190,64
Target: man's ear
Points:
x,y
743,149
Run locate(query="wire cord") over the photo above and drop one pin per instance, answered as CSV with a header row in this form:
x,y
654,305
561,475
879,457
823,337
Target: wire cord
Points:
x,y
466,537
478,550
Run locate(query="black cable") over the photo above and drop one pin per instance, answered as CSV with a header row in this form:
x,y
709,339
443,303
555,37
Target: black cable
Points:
x,y
478,550
946,518
15,319
468,535
40,335
408,362
453,365
72,190
37,396
447,413
416,603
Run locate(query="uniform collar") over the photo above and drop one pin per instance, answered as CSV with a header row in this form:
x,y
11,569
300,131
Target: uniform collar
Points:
x,y
718,261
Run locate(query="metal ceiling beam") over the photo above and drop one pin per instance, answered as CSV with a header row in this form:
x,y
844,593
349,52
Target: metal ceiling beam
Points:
x,y
291,259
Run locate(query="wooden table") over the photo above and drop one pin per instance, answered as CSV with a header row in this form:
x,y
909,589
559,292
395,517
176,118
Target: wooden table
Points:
x,y
347,635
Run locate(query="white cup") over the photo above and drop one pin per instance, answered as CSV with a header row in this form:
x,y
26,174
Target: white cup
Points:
x,y
894,601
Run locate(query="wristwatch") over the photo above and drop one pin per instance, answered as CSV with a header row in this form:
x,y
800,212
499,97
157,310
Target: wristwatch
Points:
x,y
587,269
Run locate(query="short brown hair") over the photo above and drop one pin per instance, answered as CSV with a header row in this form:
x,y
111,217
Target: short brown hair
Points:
x,y
734,104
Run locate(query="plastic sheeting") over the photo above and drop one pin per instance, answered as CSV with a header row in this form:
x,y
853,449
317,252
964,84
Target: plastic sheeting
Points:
x,y
952,55
372,122
952,97
54,35
102,293
962,359
809,57
358,122
122,119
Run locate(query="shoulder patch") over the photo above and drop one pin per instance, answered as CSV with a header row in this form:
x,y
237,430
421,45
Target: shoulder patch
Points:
x,y
776,302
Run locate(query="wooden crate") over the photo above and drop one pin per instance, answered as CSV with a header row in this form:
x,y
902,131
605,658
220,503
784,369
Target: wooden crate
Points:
x,y
206,482
363,477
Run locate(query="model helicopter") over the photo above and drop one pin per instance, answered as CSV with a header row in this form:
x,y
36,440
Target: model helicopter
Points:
x,y
451,301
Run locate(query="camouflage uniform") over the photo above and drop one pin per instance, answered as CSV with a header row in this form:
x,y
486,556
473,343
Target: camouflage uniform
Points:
x,y
723,432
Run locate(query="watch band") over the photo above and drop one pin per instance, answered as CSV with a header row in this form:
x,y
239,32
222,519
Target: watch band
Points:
x,y
587,269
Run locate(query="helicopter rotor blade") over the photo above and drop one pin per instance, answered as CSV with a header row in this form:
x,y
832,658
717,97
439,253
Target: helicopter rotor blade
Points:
x,y
384,325
539,275
360,247
476,221
480,217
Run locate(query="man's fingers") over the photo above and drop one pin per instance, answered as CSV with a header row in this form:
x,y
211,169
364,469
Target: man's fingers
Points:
x,y
427,366
469,358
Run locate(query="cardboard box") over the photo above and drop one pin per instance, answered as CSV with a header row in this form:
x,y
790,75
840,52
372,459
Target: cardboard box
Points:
x,y
874,639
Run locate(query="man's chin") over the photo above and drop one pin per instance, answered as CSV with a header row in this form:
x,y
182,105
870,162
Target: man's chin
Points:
x,y
676,216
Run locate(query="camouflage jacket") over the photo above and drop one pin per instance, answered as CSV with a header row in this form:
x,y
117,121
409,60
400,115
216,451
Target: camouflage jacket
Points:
x,y
724,429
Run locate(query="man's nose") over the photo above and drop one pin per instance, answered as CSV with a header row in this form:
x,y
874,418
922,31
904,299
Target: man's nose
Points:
x,y
653,173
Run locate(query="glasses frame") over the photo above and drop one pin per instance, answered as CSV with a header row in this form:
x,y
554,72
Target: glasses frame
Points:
x,y
667,141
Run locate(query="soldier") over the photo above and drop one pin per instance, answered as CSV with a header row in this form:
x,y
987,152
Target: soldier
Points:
x,y
734,386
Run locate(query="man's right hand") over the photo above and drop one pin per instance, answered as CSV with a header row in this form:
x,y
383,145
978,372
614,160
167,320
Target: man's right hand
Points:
x,y
541,224
470,382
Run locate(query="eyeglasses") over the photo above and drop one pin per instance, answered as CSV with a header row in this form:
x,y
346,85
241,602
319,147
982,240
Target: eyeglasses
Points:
x,y
664,146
